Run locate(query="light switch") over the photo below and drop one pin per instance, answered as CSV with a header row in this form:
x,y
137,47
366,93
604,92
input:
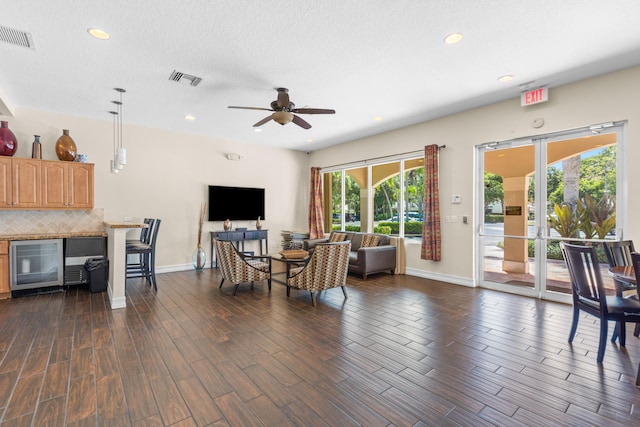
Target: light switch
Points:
x,y
456,199
454,218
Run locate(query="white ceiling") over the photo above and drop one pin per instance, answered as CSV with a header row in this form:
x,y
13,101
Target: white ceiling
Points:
x,y
363,58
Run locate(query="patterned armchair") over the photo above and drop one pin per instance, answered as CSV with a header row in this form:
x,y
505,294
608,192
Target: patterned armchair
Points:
x,y
239,268
327,268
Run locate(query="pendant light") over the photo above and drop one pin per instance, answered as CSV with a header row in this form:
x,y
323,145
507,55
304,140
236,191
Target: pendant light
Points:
x,y
119,152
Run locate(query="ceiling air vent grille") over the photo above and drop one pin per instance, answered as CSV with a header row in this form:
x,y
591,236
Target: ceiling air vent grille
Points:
x,y
177,76
16,37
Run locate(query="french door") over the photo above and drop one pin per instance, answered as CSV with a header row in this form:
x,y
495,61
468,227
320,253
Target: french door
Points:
x,y
533,193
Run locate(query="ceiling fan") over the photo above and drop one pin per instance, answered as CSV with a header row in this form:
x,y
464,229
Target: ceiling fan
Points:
x,y
283,110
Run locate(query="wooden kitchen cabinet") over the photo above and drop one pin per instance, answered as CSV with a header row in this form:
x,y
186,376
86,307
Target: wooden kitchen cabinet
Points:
x,y
19,183
5,291
67,185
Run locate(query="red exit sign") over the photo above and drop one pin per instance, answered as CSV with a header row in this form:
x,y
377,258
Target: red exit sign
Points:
x,y
534,96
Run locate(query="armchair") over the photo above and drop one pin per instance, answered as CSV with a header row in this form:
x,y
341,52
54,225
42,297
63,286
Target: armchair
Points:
x,y
326,268
240,268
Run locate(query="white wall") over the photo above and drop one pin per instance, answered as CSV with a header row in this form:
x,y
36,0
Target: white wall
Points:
x,y
611,97
167,175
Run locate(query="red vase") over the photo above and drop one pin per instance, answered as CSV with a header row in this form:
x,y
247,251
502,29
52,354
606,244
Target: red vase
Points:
x,y
8,141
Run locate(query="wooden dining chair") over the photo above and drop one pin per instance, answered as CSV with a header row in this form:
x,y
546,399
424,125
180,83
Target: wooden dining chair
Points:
x,y
589,295
618,254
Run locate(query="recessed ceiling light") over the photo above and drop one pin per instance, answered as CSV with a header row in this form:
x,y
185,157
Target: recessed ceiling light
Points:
x,y
453,38
189,117
377,119
99,34
257,130
505,78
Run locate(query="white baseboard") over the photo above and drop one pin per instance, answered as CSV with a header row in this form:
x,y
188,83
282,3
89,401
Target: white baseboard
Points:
x,y
456,280
177,267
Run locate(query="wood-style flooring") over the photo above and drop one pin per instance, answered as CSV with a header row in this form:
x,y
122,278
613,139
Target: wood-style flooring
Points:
x,y
400,351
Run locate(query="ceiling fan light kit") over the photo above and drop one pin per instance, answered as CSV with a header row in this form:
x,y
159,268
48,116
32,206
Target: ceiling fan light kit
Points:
x,y
283,111
282,117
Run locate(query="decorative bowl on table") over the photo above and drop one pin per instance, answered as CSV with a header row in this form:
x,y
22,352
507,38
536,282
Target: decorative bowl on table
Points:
x,y
294,254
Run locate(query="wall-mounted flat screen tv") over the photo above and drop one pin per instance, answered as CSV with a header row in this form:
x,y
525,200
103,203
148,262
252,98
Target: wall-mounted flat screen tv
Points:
x,y
235,203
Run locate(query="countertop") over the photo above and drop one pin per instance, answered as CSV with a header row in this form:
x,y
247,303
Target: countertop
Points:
x,y
123,224
52,235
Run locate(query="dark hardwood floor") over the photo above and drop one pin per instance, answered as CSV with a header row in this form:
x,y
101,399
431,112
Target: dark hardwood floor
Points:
x,y
400,351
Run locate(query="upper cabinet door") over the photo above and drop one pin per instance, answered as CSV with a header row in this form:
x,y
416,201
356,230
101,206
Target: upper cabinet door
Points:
x,y
54,184
6,195
80,186
26,183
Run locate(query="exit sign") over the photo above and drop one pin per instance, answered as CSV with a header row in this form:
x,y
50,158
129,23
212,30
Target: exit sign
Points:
x,y
534,96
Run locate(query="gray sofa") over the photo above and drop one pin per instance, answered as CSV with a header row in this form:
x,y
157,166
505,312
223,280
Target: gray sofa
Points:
x,y
363,260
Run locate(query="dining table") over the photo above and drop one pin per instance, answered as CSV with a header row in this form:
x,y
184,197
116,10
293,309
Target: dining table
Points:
x,y
621,275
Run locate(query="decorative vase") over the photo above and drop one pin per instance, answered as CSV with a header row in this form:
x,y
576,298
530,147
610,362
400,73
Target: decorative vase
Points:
x,y
66,147
8,141
258,224
227,225
199,258
36,148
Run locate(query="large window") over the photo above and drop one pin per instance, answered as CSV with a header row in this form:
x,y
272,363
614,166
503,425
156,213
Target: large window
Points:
x,y
383,197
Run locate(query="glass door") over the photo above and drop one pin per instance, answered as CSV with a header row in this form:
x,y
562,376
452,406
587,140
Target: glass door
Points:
x,y
537,192
507,232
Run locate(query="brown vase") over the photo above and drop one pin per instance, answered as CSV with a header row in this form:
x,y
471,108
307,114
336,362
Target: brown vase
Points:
x,y
8,141
227,225
258,224
66,147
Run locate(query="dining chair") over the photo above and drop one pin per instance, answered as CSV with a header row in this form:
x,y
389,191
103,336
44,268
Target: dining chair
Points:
x,y
146,264
589,295
237,267
326,268
618,253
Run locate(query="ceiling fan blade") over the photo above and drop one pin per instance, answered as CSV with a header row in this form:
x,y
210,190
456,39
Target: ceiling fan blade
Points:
x,y
297,120
263,121
250,108
313,111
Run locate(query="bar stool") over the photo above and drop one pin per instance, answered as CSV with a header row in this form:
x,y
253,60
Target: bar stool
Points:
x,y
146,265
144,233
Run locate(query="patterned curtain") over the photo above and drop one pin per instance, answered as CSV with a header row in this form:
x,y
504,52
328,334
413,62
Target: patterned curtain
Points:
x,y
431,226
316,208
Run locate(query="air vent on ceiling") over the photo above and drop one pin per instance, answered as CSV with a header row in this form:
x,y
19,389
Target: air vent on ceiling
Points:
x,y
177,76
16,37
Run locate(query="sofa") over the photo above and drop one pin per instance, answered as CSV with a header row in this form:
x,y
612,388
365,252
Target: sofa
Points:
x,y
370,252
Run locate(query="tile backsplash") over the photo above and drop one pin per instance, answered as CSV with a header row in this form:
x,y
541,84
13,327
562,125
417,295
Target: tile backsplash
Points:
x,y
54,221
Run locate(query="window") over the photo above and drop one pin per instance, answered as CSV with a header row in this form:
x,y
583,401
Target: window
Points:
x,y
351,202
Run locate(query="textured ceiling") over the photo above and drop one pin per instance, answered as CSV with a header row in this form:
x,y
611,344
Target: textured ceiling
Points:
x,y
363,58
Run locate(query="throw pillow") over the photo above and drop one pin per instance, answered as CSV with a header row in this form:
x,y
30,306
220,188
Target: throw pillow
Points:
x,y
338,237
369,240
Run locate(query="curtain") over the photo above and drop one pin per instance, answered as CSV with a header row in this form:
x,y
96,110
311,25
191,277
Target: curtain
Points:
x,y
316,208
431,225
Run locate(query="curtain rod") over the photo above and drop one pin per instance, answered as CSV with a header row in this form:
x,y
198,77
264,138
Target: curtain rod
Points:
x,y
440,147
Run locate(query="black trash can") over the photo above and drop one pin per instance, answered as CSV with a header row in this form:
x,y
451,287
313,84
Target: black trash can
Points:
x,y
98,273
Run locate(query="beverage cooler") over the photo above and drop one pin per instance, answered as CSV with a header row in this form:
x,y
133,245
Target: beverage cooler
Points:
x,y
36,264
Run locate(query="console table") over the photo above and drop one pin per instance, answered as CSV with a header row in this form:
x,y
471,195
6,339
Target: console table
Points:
x,y
238,237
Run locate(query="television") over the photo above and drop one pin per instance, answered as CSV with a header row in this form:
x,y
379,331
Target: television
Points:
x,y
235,203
